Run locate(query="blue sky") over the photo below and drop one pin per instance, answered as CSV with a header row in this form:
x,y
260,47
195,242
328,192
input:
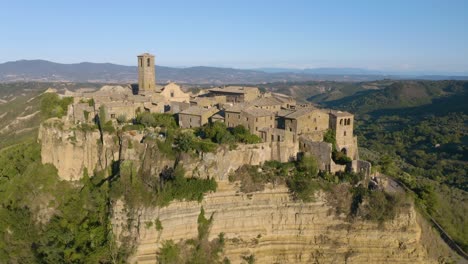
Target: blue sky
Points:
x,y
412,35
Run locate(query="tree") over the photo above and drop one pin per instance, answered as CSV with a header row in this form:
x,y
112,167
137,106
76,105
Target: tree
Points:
x,y
308,165
185,141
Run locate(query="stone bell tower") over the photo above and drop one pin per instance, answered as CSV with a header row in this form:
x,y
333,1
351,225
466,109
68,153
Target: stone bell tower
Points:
x,y
146,73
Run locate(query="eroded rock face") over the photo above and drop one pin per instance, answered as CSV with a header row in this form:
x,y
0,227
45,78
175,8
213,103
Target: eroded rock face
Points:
x,y
218,165
71,151
276,229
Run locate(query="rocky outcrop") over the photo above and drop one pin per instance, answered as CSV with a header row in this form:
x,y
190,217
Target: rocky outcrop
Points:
x,y
276,229
73,150
218,165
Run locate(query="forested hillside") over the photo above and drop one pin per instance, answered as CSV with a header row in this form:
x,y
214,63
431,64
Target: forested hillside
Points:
x,y
418,131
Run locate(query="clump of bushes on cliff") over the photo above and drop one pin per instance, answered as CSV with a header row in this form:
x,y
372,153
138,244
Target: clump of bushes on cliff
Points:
x,y
376,205
196,250
156,120
139,188
301,177
219,133
54,106
186,142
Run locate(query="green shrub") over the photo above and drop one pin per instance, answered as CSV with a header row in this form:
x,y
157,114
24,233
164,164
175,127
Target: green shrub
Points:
x,y
308,165
108,127
138,127
54,106
169,253
158,224
156,120
244,136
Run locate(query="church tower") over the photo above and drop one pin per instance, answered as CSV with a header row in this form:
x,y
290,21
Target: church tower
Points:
x,y
146,73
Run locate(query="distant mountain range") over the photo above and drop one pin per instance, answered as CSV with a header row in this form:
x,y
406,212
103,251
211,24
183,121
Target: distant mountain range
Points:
x,y
42,70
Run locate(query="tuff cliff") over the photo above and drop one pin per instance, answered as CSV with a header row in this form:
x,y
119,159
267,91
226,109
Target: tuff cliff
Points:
x,y
72,150
276,229
268,224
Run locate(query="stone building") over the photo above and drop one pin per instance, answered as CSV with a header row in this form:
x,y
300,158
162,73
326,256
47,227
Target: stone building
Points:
x,y
342,123
195,116
208,101
236,94
268,103
172,93
146,73
303,120
251,117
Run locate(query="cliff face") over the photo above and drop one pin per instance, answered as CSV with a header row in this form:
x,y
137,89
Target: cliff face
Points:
x,y
218,165
276,229
268,224
70,151
73,150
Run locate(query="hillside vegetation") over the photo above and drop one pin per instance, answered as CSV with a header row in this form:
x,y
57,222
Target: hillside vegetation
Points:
x,y
417,131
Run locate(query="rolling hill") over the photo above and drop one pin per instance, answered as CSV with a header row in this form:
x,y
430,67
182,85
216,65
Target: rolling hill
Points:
x,y
46,71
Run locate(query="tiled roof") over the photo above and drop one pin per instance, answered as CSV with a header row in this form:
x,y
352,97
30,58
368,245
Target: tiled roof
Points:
x,y
301,112
266,101
257,112
237,107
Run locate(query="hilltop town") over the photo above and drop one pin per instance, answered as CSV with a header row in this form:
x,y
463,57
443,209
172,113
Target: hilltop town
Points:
x,y
290,128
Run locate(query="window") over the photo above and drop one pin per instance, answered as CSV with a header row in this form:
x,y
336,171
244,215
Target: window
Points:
x,y
148,62
256,119
238,116
172,93
341,121
272,138
112,115
315,128
256,128
279,138
141,62
344,134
